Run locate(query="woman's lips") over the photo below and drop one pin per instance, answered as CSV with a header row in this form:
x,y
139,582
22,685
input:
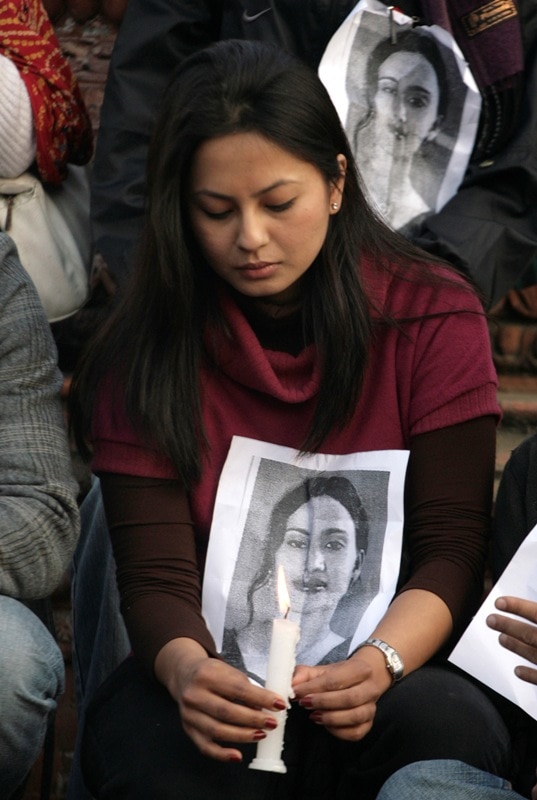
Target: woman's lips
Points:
x,y
259,269
311,586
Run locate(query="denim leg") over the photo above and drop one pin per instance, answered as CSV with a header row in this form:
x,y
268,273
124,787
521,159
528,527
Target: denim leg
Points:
x,y
100,641
31,679
445,780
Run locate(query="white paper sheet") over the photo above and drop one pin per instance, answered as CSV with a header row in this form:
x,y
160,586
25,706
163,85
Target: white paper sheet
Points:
x,y
479,652
383,142
255,479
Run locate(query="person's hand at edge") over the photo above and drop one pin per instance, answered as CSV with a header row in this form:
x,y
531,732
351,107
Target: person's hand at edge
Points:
x,y
518,636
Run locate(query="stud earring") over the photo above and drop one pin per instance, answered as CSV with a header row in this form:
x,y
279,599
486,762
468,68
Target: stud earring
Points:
x,y
334,206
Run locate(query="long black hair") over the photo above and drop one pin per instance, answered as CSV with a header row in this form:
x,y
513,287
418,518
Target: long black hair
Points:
x,y
153,343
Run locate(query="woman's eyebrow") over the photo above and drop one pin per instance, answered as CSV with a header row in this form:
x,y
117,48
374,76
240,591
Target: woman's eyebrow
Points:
x,y
333,529
413,87
328,530
416,87
219,196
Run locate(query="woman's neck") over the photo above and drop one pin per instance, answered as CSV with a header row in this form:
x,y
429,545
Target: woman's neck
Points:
x,y
272,307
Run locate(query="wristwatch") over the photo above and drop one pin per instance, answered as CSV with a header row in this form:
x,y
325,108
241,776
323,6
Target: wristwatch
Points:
x,y
394,662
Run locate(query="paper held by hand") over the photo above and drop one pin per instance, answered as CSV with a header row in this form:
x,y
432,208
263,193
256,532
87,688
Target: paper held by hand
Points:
x,y
479,652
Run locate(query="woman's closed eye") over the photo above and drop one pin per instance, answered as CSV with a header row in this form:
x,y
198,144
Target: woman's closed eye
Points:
x,y
279,207
275,208
216,214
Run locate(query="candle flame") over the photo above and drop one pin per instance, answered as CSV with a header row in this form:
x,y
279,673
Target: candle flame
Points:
x,y
284,601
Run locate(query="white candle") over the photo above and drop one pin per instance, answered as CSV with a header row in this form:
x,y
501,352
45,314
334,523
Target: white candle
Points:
x,y
281,664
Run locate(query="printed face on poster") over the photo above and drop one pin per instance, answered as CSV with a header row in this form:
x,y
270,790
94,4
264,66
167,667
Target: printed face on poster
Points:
x,y
410,108
334,523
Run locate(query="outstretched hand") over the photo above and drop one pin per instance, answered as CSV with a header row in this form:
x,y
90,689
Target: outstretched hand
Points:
x,y
518,636
341,696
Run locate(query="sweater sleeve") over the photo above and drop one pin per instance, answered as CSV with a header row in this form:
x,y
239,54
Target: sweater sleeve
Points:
x,y
448,505
158,570
38,493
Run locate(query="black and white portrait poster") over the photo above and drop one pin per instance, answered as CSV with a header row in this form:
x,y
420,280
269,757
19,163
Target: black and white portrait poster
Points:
x,y
410,107
333,523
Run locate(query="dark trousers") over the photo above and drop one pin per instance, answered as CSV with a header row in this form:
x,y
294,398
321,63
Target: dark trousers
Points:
x,y
515,516
134,746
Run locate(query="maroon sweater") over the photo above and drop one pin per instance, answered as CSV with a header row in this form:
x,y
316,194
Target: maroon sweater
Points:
x,y
430,388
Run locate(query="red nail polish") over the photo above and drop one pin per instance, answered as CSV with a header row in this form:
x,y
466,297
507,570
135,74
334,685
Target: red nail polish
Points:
x,y
258,735
316,716
306,702
234,757
271,724
279,705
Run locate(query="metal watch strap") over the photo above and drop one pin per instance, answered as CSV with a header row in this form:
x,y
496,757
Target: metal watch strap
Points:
x,y
394,662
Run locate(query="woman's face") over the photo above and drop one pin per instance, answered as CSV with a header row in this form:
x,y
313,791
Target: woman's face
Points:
x,y
259,213
318,554
406,98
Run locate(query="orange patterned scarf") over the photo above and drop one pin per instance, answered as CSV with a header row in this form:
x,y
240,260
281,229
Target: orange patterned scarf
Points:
x,y
62,125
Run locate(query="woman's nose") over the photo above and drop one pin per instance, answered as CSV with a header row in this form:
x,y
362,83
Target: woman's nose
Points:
x,y
252,233
314,561
399,108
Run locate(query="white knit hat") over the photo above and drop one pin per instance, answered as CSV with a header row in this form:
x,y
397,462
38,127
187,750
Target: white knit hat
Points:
x,y
17,135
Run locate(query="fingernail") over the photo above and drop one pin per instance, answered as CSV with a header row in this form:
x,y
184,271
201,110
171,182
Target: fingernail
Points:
x,y
491,620
271,724
234,757
316,716
258,735
500,603
279,705
306,702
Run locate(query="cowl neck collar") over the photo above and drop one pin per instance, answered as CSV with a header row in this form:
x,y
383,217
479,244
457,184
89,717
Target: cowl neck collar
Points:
x,y
239,354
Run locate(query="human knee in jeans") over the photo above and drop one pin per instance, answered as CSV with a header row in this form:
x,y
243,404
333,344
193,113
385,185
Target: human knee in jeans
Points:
x,y
31,679
445,780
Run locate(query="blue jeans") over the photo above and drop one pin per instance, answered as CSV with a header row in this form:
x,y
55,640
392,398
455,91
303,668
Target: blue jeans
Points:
x,y
446,780
31,679
100,640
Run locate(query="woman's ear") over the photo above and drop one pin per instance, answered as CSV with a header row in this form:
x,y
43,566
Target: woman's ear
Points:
x,y
336,192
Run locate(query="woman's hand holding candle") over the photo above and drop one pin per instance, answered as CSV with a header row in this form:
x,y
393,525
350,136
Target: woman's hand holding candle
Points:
x,y
342,696
217,702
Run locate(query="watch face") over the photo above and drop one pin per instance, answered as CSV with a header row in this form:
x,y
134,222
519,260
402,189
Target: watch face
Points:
x,y
395,665
394,662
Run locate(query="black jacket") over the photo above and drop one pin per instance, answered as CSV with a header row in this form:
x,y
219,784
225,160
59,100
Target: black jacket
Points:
x,y
489,229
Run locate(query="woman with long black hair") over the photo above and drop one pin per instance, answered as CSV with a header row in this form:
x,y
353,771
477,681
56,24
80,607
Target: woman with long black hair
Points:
x,y
269,302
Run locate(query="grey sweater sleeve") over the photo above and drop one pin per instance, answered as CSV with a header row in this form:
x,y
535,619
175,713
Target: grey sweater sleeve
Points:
x,y
39,519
